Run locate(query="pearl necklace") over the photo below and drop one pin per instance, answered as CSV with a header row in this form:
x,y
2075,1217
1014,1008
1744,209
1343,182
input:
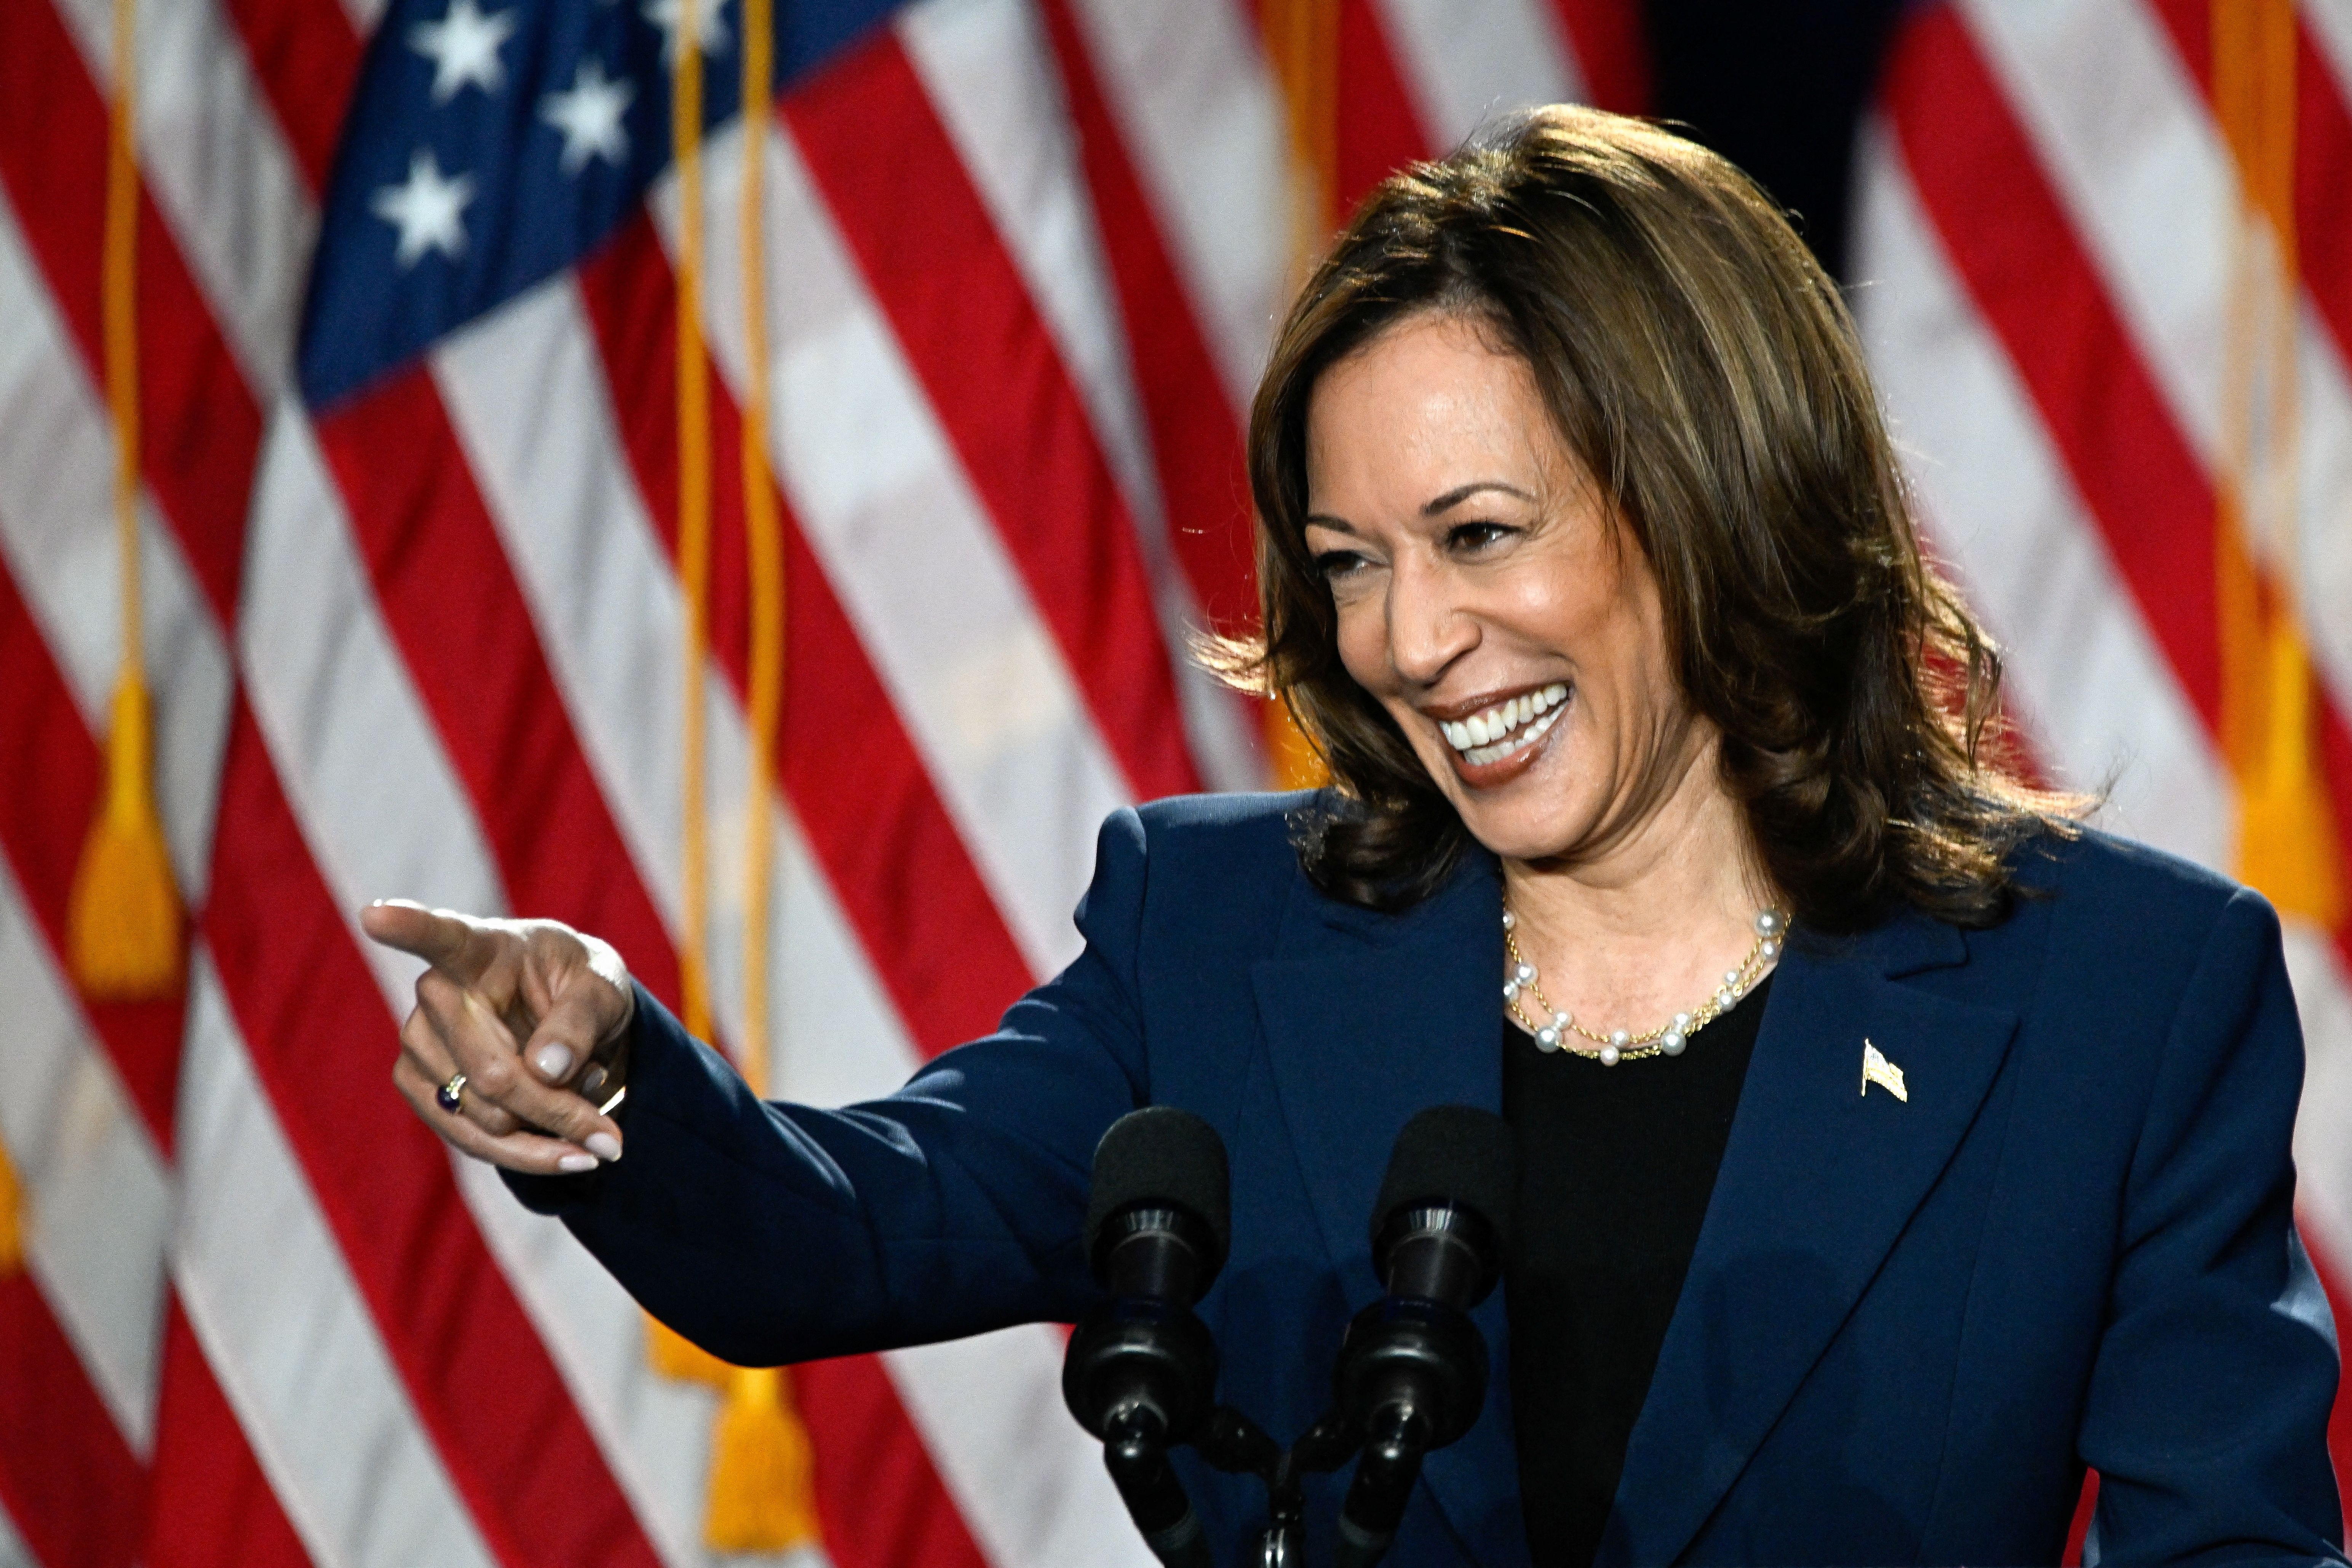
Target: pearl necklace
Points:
x,y
1623,1046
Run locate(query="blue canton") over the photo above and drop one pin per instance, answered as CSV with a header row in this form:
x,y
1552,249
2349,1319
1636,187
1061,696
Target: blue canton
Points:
x,y
490,146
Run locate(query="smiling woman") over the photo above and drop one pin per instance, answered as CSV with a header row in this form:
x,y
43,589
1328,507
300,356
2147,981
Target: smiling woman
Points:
x,y
1889,1146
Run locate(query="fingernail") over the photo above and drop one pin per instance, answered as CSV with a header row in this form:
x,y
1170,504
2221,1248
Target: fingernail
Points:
x,y
553,1061
572,1164
603,1145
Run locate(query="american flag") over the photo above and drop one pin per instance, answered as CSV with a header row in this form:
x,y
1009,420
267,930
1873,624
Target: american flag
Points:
x,y
410,514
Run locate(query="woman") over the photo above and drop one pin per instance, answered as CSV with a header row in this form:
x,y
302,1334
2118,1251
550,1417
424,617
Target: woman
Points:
x,y
1662,790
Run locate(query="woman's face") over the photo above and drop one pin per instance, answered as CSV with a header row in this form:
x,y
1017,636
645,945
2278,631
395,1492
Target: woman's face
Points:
x,y
1488,600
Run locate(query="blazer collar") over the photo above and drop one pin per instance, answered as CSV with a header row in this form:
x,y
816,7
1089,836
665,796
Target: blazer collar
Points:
x,y
1821,1175
1368,1019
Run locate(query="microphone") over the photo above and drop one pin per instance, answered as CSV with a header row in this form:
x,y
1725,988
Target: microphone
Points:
x,y
1141,1370
1411,1375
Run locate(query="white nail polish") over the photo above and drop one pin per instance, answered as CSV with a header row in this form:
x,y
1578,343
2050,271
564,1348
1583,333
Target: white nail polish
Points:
x,y
572,1164
603,1145
553,1060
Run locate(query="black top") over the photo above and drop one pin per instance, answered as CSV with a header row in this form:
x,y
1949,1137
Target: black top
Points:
x,y
1616,1166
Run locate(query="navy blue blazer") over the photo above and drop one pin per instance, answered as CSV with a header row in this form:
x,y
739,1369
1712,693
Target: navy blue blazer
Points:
x,y
1907,1326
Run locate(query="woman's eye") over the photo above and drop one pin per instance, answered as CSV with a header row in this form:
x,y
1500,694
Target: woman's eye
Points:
x,y
1334,564
1472,537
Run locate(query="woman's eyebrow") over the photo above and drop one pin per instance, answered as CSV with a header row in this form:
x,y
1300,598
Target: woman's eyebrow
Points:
x,y
1325,520
1461,493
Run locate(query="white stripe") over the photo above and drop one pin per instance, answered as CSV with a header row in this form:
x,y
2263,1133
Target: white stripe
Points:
x,y
2139,161
1028,1481
2323,1155
220,170
971,668
985,65
100,1199
2100,700
57,537
1465,64
358,755
13,1551
1203,121
281,1321
605,602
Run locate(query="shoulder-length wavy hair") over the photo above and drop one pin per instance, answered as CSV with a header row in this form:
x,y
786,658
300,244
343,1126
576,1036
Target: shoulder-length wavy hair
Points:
x,y
1702,367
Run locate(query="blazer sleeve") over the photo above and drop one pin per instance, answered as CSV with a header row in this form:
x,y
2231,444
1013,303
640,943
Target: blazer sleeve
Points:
x,y
2209,1399
769,1232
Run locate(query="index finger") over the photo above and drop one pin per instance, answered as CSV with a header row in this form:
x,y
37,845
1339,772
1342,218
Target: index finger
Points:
x,y
437,936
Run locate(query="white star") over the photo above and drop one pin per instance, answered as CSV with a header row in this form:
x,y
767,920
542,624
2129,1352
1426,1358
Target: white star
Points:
x,y
669,15
589,115
429,209
464,48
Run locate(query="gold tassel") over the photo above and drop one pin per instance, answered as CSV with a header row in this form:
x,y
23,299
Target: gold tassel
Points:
x,y
762,1490
2286,837
2287,843
12,1220
672,1354
762,1495
123,917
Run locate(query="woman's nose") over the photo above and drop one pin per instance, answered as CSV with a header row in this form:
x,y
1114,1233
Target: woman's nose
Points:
x,y
1429,627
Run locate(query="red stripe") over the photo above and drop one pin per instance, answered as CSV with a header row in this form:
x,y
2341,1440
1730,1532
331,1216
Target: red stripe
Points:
x,y
1380,130
890,173
76,1492
897,869
1611,53
880,1500
307,59
212,1506
482,1382
1195,431
2016,250
200,426
464,629
49,781
896,866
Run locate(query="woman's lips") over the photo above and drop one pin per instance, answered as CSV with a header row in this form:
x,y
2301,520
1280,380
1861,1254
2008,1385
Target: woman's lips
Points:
x,y
1502,741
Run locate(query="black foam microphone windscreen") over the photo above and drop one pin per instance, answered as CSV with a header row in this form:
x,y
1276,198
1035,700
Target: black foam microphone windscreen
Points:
x,y
1162,1157
1450,1160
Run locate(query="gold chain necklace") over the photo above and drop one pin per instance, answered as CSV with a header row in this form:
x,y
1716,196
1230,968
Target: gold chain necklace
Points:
x,y
1554,1026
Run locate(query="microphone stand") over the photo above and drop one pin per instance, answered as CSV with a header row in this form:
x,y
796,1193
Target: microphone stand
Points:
x,y
1234,1444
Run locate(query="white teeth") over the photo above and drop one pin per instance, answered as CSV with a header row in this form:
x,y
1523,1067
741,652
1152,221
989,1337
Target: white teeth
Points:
x,y
1504,728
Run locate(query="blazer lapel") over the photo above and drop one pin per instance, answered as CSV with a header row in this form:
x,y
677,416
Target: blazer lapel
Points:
x,y
1821,1175
1368,1019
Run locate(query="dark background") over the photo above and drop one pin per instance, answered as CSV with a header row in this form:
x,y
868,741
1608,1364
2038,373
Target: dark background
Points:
x,y
1778,87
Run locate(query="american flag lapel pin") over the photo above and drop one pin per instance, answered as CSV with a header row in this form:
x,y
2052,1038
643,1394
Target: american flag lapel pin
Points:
x,y
1877,1069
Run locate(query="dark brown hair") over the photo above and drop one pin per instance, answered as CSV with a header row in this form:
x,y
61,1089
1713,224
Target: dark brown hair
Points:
x,y
1702,367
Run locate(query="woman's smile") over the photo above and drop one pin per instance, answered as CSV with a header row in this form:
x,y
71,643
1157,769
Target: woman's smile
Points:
x,y
1500,739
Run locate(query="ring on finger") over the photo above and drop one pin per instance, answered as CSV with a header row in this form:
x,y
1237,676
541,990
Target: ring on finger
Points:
x,y
451,1096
